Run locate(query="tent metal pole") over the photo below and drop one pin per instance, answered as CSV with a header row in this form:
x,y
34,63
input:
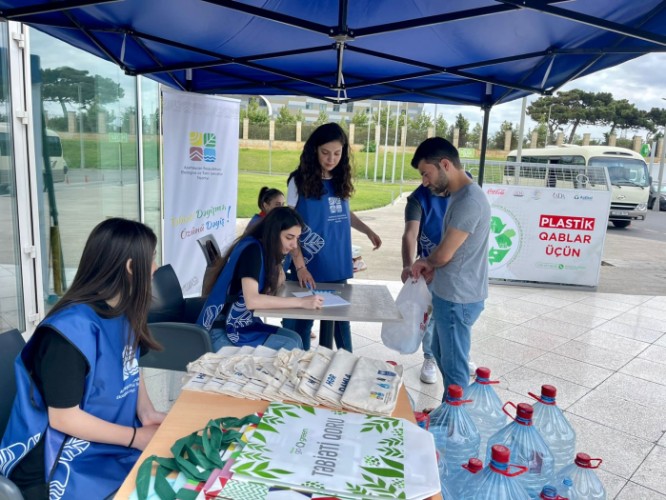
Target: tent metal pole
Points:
x,y
484,142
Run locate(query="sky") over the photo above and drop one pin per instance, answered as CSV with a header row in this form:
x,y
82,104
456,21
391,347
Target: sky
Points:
x,y
642,81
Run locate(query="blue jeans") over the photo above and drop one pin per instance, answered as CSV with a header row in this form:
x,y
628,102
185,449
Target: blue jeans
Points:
x,y
341,332
451,344
281,339
426,343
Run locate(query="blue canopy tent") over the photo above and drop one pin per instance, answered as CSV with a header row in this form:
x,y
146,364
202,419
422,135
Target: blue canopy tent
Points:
x,y
474,52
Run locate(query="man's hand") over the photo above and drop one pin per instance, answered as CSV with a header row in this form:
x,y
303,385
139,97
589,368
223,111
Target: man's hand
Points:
x,y
423,268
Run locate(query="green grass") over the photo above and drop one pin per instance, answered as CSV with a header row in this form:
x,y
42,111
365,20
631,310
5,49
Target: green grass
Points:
x,y
368,194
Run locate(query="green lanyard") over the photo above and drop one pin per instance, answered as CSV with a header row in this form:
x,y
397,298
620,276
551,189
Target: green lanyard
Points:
x,y
196,456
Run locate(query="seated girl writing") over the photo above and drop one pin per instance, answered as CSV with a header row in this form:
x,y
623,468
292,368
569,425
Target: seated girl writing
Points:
x,y
247,277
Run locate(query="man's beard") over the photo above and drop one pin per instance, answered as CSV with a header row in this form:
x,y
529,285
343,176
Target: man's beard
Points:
x,y
442,184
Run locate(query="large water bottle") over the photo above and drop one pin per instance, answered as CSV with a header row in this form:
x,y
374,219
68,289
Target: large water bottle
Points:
x,y
549,492
498,480
554,427
464,479
586,485
443,473
527,448
456,436
485,408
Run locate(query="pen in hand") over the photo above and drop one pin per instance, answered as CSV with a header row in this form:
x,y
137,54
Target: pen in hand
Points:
x,y
309,287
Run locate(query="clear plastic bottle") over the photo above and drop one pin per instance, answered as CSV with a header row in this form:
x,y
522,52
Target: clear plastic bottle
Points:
x,y
485,408
456,436
554,427
585,483
564,487
549,492
443,473
527,448
497,481
464,478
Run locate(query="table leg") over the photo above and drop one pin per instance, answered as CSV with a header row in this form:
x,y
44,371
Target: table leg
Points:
x,y
326,329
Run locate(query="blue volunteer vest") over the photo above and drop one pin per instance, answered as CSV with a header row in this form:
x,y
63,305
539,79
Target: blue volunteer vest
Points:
x,y
433,209
242,326
326,237
76,468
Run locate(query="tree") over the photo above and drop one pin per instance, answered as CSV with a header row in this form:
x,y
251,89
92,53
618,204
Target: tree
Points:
x,y
322,118
625,115
420,122
440,126
497,141
474,137
462,124
656,119
285,117
254,112
360,118
67,85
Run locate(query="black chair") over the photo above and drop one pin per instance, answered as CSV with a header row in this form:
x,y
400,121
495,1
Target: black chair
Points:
x,y
181,342
168,303
11,343
172,321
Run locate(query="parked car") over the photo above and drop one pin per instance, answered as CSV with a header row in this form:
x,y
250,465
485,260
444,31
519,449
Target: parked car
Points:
x,y
653,196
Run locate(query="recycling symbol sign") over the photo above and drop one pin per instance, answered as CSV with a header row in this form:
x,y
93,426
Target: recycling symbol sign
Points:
x,y
504,238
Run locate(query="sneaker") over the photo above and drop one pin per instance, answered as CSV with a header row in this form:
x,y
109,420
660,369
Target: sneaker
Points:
x,y
429,371
472,368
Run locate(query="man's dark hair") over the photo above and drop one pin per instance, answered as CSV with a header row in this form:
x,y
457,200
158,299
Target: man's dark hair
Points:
x,y
434,149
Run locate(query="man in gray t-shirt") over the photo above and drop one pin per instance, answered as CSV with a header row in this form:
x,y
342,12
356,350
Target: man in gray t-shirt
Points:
x,y
458,267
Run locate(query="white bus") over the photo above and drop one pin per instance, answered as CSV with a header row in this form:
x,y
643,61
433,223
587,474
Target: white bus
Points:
x,y
53,149
627,170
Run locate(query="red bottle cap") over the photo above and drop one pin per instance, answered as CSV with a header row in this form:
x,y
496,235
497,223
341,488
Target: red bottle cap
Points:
x,y
474,465
524,411
583,460
500,454
549,391
455,391
483,372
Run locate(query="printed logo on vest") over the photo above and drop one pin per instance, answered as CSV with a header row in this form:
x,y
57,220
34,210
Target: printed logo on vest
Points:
x,y
202,147
427,246
130,363
210,314
311,243
335,205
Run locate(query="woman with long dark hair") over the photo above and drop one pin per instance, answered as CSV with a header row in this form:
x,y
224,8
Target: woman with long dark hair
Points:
x,y
247,278
320,189
82,414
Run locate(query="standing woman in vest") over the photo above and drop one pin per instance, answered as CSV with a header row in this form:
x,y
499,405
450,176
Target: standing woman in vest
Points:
x,y
319,189
247,278
269,198
82,414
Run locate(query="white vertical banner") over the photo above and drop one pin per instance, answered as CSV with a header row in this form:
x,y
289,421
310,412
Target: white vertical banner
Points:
x,y
200,179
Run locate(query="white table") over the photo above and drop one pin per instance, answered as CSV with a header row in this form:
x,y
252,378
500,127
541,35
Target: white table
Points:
x,y
371,303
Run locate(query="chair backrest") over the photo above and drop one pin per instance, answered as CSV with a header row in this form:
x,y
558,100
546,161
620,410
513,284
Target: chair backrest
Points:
x,y
182,343
11,343
167,303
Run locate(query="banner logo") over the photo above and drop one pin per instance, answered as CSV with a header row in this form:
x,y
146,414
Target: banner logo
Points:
x,y
202,147
504,238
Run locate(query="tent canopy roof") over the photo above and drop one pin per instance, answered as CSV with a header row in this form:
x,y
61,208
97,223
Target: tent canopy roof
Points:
x,y
476,52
